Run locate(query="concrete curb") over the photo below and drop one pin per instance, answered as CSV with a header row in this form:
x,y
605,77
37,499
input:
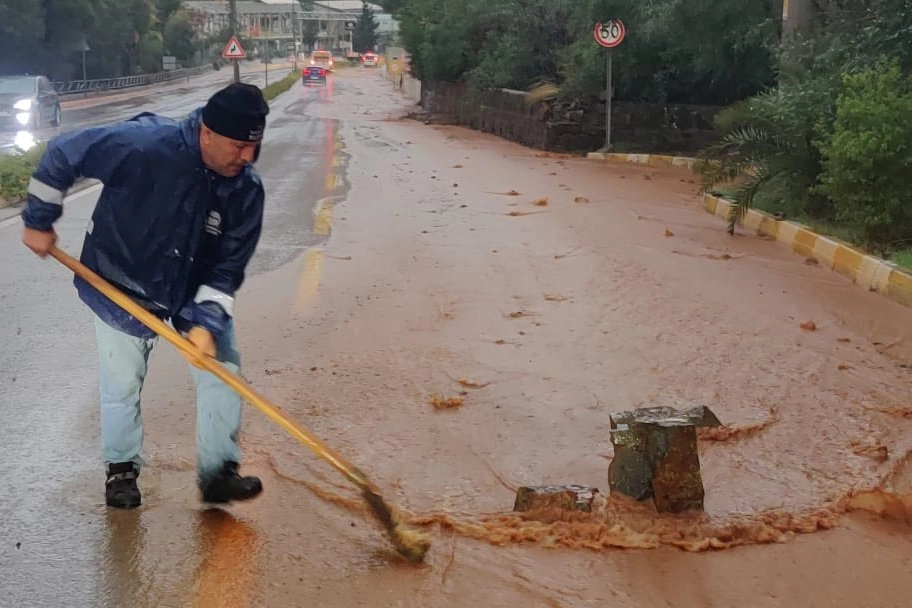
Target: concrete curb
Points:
x,y
868,271
653,160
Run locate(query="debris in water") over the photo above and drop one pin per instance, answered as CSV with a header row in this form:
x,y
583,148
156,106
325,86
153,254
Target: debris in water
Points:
x,y
843,339
345,258
444,403
512,193
540,202
554,298
876,451
457,166
580,199
885,504
898,412
811,261
732,432
519,314
560,256
521,213
470,384
843,366
669,232
808,326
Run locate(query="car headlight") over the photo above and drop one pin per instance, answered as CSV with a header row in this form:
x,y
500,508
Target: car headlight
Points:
x,y
23,104
25,141
23,118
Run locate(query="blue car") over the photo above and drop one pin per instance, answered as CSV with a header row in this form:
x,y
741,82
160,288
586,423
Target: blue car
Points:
x,y
313,74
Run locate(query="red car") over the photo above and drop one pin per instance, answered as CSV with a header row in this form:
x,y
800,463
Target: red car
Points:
x,y
370,60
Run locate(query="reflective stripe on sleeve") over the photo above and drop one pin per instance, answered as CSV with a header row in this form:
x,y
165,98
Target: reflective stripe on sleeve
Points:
x,y
45,193
208,294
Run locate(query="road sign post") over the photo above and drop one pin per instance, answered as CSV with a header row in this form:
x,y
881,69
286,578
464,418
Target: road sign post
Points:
x,y
609,35
235,52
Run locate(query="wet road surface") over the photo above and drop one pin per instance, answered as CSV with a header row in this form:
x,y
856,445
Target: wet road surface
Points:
x,y
175,98
394,266
48,374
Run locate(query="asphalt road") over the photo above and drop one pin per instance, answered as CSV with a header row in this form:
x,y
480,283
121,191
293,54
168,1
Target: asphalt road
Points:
x,y
174,98
53,525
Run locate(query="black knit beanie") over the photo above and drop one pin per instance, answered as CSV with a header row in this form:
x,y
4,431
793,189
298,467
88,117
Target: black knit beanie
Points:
x,y
237,112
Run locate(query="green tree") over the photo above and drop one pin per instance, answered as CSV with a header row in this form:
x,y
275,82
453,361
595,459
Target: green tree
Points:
x,y
664,58
365,34
22,32
178,36
310,27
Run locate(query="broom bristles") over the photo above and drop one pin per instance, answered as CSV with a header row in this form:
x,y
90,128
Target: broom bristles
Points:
x,y
411,544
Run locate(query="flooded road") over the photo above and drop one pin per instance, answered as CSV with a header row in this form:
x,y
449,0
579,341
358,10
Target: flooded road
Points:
x,y
403,260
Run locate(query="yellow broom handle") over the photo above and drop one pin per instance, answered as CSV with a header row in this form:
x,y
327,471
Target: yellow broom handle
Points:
x,y
211,365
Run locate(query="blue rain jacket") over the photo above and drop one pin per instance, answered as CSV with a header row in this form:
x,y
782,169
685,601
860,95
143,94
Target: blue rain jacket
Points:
x,y
173,235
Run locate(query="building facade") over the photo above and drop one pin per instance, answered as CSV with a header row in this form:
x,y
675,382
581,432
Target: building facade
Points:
x,y
284,24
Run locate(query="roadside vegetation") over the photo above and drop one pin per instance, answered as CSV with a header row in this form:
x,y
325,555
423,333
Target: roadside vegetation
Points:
x,y
816,125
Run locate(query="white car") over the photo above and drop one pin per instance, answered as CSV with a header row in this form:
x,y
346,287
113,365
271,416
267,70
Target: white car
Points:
x,y
370,60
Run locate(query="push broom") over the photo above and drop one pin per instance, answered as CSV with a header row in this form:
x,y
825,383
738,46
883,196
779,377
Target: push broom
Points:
x,y
411,544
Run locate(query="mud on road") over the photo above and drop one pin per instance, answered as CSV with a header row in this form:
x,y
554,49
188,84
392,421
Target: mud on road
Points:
x,y
546,292
543,293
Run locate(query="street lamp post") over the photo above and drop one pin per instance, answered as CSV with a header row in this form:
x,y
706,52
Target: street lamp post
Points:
x,y
233,25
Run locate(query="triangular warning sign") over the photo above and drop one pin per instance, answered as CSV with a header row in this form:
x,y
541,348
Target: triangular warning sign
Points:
x,y
233,50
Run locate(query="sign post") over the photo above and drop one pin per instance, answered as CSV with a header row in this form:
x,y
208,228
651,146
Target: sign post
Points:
x,y
609,35
234,51
350,28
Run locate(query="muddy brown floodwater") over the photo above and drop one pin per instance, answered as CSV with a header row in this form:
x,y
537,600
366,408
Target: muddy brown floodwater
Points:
x,y
543,293
540,293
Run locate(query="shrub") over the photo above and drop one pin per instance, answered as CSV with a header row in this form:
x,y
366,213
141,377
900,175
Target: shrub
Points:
x,y
867,155
15,172
280,86
767,149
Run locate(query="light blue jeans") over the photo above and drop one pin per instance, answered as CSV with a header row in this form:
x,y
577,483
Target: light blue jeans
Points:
x,y
123,362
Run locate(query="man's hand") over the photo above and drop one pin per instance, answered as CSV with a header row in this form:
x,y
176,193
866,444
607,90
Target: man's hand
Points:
x,y
39,241
204,342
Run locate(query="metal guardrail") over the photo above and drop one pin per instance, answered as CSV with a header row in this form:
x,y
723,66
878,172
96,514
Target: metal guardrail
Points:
x,y
75,87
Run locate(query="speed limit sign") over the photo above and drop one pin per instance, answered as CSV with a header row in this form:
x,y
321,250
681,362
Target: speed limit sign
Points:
x,y
610,34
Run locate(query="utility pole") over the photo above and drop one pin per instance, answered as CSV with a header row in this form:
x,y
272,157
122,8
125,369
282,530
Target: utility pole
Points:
x,y
233,25
796,16
294,35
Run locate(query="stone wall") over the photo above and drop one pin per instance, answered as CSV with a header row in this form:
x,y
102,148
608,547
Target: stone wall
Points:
x,y
677,129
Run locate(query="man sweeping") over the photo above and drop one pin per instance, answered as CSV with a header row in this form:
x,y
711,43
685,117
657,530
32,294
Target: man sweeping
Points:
x,y
177,221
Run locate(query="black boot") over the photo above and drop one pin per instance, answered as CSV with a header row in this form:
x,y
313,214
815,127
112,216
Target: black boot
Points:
x,y
121,491
227,485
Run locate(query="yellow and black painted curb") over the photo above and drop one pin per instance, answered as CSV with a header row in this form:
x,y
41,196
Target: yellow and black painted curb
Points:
x,y
868,271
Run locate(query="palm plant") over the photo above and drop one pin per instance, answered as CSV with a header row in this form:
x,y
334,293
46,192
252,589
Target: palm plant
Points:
x,y
767,145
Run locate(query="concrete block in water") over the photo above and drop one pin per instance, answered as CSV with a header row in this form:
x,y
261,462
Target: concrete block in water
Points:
x,y
568,498
655,456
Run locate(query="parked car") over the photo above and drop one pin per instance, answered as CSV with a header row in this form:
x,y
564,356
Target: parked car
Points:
x,y
28,102
313,74
322,59
370,60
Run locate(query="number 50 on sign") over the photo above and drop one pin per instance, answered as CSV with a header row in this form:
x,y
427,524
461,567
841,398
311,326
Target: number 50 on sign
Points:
x,y
610,34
